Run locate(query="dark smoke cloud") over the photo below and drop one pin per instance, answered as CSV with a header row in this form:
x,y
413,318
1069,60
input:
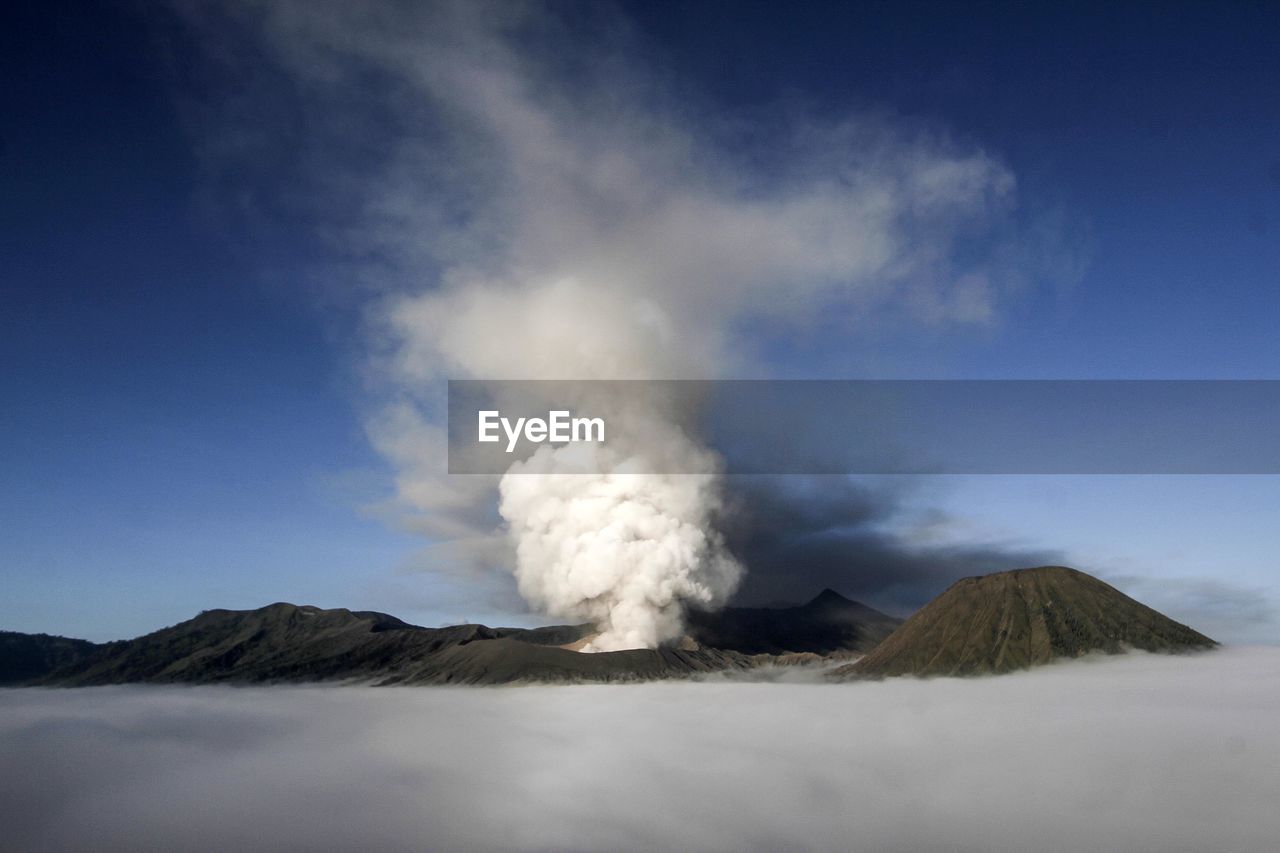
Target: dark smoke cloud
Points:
x,y
799,535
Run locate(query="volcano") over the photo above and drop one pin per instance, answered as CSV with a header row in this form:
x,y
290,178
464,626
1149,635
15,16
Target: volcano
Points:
x,y
1012,620
989,624
828,624
287,643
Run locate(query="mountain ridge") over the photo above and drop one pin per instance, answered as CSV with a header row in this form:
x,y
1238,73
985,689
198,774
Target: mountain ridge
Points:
x,y
826,624
289,643
983,624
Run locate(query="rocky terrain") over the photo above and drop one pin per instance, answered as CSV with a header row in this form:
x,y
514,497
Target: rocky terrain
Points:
x,y
290,643
980,625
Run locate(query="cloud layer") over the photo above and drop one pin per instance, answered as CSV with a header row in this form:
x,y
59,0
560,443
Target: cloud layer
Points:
x,y
1134,753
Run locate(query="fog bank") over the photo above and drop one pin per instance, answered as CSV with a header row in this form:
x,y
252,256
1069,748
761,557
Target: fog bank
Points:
x,y
1135,752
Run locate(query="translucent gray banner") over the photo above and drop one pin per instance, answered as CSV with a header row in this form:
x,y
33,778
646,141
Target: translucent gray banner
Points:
x,y
867,426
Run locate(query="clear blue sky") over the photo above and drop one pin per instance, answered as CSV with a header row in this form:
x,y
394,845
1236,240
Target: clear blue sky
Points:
x,y
179,426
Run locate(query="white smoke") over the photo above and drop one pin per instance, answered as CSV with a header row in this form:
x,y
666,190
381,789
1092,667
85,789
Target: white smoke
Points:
x,y
603,538
541,205
596,536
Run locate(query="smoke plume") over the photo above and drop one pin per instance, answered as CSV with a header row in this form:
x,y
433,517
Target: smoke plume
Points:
x,y
522,197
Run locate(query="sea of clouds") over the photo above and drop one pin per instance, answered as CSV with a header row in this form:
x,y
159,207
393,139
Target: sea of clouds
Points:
x,y
1135,752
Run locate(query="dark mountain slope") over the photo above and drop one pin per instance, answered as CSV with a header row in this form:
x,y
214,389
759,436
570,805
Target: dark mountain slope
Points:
x,y
551,635
505,660
829,623
1012,620
287,643
281,642
24,657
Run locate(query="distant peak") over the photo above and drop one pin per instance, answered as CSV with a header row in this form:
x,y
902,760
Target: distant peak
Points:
x,y
828,596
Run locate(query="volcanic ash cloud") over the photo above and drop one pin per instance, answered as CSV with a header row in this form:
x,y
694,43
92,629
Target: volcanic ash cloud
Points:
x,y
517,217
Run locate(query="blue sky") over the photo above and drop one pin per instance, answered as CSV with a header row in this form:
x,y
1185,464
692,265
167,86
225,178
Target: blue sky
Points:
x,y
183,425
